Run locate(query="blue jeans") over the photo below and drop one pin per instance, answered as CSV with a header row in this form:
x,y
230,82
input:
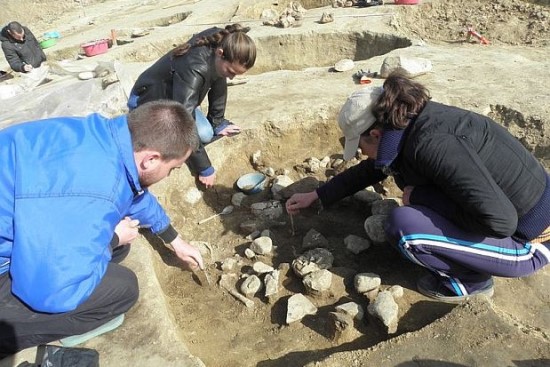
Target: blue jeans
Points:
x,y
204,128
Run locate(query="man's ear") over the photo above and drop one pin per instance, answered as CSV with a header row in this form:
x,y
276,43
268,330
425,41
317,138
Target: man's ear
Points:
x,y
149,160
219,52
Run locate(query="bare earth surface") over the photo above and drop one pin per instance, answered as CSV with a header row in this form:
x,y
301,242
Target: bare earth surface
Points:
x,y
287,108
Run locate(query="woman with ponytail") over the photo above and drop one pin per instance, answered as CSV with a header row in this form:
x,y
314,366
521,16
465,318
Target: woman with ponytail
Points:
x,y
196,69
476,201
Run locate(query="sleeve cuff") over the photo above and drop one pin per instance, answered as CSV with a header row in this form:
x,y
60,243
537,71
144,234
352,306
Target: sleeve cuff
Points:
x,y
207,172
168,235
114,241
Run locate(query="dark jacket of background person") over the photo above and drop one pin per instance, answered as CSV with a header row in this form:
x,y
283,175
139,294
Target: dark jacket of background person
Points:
x,y
20,53
486,180
187,79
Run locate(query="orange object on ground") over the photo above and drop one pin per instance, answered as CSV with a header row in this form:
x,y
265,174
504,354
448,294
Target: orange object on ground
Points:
x,y
482,40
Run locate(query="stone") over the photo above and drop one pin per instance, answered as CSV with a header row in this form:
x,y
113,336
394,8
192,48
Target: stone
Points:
x,y
410,66
298,307
271,209
385,309
383,207
396,291
262,245
365,282
251,285
313,260
318,282
356,244
366,196
192,196
271,281
237,199
340,327
306,184
249,253
229,264
374,226
344,65
261,268
279,183
314,239
352,309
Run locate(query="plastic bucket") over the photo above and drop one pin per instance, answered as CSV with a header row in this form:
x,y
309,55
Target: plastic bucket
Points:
x,y
95,47
251,183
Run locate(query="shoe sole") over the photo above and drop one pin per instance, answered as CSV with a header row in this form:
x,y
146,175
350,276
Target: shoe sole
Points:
x,y
456,299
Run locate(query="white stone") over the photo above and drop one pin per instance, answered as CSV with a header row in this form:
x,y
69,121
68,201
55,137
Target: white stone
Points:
x,y
271,281
344,65
352,309
365,282
193,195
385,309
411,66
249,253
298,307
272,209
396,291
262,245
261,268
318,282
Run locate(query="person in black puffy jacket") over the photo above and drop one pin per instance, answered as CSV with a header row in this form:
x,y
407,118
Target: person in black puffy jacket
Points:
x,y
476,201
21,48
190,72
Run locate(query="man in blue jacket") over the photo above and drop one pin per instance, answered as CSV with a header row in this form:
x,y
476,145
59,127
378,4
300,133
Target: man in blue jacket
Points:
x,y
73,192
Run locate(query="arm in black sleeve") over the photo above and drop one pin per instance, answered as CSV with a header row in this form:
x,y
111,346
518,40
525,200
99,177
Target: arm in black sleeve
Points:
x,y
199,162
186,88
217,100
349,182
12,57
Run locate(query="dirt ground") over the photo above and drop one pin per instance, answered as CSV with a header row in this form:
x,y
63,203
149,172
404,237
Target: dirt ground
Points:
x,y
212,324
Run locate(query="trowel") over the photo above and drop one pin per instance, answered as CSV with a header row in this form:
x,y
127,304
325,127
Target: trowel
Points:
x,y
227,210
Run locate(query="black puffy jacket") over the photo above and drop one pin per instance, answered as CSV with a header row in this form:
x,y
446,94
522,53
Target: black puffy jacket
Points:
x,y
187,79
20,53
466,167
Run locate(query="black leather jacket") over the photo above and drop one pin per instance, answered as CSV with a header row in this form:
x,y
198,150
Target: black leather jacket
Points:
x,y
187,79
18,54
467,168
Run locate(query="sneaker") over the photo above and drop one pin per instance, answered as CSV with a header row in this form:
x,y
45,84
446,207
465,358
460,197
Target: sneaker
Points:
x,y
432,287
71,341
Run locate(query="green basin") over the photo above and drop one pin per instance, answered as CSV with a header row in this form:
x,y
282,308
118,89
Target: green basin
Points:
x,y
48,42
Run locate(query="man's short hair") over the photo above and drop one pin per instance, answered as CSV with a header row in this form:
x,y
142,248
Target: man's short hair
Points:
x,y
15,27
164,126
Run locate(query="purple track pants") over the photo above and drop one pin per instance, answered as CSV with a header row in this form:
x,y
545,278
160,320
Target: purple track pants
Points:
x,y
462,261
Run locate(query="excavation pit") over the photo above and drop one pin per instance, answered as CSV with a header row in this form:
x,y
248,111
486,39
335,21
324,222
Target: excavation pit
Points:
x,y
233,329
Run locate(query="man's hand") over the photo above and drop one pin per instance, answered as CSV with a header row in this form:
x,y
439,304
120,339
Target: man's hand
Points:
x,y
190,255
127,230
300,201
230,130
208,181
27,67
407,190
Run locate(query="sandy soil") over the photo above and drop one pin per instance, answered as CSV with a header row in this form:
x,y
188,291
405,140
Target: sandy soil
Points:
x,y
212,324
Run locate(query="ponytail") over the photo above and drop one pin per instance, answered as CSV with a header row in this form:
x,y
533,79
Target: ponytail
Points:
x,y
237,46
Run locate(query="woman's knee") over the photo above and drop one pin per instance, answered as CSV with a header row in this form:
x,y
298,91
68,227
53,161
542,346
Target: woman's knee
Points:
x,y
400,222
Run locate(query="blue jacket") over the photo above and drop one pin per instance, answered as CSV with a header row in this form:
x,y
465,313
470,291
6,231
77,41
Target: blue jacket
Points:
x,y
65,183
